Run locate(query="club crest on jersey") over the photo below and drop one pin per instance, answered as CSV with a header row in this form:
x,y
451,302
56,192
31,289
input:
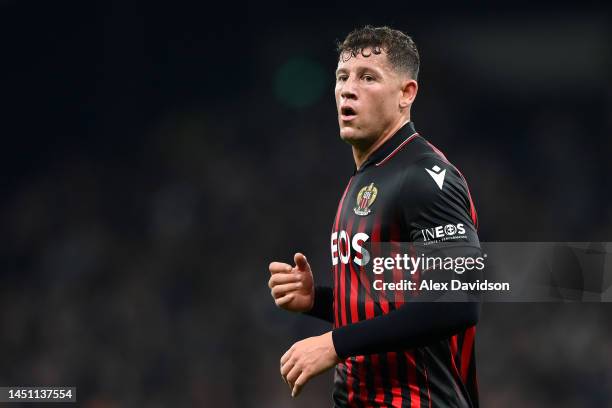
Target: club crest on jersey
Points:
x,y
365,198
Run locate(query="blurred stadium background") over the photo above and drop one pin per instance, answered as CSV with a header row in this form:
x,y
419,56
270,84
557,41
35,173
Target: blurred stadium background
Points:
x,y
156,158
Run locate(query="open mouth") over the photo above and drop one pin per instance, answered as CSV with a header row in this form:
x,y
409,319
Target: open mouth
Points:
x,y
347,113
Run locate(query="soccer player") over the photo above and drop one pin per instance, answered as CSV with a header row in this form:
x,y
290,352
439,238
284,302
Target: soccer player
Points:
x,y
387,352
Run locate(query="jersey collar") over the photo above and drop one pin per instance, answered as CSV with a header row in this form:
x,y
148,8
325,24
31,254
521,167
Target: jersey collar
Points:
x,y
388,149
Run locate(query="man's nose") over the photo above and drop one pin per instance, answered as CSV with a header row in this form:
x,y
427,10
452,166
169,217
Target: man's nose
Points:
x,y
348,90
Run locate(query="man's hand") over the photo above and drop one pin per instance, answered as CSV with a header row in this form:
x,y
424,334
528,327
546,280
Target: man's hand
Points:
x,y
306,359
292,287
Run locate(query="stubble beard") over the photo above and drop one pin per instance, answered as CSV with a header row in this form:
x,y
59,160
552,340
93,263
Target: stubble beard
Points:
x,y
357,138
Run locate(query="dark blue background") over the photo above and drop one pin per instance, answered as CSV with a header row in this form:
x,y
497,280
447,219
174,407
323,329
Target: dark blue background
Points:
x,y
155,158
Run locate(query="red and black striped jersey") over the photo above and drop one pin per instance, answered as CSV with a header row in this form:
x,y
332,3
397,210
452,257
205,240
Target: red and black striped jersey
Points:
x,y
406,191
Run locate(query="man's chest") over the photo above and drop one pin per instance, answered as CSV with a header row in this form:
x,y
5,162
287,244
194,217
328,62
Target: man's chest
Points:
x,y
369,212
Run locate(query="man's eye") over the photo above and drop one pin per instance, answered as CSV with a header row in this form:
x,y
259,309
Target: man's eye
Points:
x,y
341,78
368,78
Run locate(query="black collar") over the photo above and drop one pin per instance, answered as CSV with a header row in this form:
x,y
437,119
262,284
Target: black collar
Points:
x,y
387,149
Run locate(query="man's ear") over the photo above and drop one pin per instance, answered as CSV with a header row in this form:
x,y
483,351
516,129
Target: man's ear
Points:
x,y
410,88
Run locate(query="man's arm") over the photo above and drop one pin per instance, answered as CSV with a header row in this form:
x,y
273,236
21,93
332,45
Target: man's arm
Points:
x,y
414,324
323,307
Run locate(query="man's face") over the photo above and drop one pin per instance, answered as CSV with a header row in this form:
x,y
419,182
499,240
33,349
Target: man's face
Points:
x,y
368,92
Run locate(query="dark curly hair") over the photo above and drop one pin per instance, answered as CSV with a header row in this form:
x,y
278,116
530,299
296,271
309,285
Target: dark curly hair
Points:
x,y
401,50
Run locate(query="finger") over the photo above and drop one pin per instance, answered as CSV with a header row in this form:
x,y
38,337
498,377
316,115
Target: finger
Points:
x,y
279,267
300,261
286,356
286,367
281,278
282,290
284,300
299,384
293,374
284,370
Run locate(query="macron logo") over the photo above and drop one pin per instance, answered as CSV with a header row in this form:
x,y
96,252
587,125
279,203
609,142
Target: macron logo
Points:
x,y
437,174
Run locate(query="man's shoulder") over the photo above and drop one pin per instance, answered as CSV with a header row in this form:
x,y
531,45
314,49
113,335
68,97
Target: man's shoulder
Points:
x,y
419,151
430,182
426,170
420,154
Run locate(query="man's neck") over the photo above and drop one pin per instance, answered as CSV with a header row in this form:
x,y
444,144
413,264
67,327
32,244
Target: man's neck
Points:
x,y
360,156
